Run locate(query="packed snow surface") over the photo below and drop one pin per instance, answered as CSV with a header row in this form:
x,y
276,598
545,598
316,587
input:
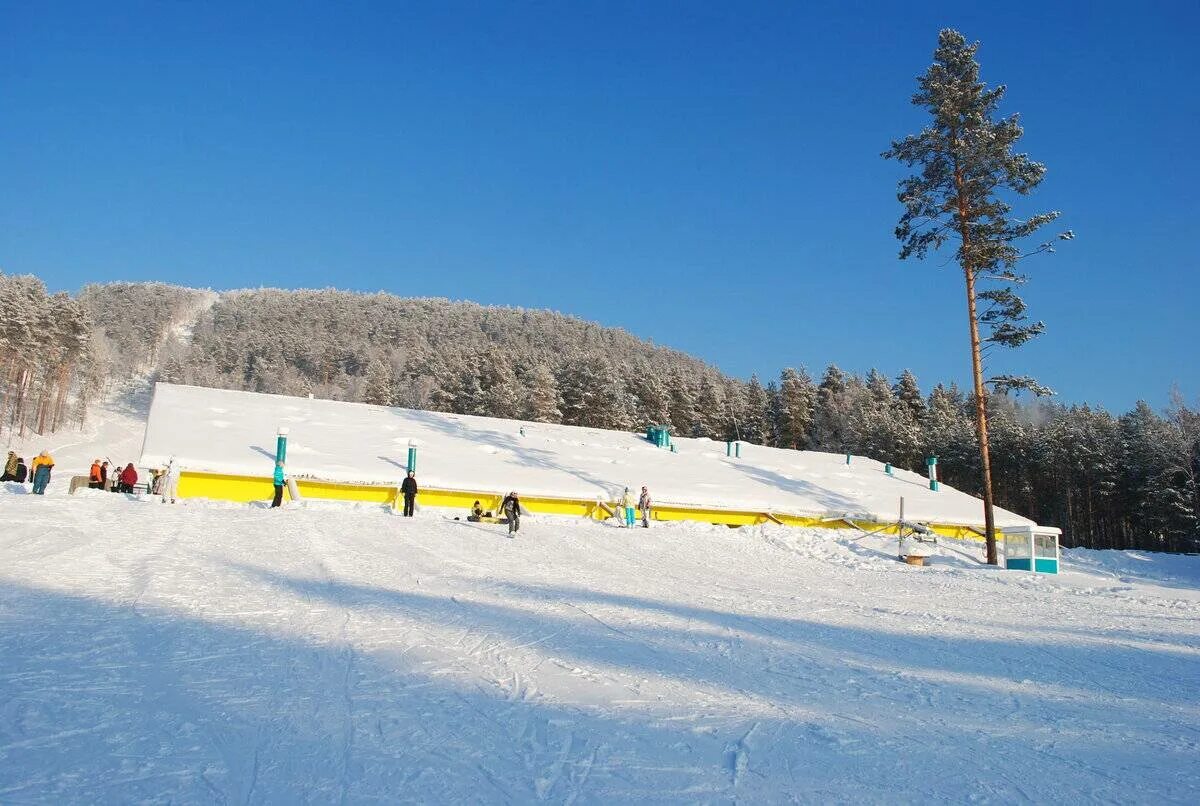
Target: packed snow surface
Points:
x,y
234,432
320,653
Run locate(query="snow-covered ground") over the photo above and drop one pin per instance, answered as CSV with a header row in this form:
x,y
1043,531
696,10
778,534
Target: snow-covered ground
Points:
x,y
321,653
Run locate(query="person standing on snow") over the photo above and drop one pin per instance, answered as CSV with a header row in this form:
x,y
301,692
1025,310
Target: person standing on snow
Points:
x,y
408,488
10,468
94,476
627,505
644,505
42,465
22,471
511,507
104,475
128,478
170,481
280,478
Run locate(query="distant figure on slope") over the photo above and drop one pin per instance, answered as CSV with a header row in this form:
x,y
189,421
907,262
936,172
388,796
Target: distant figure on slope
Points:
x,y
104,475
10,468
511,507
644,503
22,471
94,476
476,513
170,481
128,478
280,478
627,505
408,488
42,465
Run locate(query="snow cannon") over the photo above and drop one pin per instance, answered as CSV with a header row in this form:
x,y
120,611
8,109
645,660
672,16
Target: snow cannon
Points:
x,y
931,463
1032,548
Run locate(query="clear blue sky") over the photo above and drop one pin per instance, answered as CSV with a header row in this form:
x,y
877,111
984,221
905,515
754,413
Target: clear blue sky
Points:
x,y
707,176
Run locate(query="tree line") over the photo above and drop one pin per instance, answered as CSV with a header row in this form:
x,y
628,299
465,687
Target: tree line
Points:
x,y
47,358
1109,481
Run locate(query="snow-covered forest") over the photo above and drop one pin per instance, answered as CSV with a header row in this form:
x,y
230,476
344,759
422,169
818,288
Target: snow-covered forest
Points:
x,y
1109,481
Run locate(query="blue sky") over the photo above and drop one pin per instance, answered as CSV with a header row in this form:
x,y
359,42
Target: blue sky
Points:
x,y
704,175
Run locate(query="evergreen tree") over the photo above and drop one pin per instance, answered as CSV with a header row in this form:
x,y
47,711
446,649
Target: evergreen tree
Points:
x,y
543,406
711,410
500,392
379,384
908,392
796,400
651,396
831,414
685,418
755,413
967,163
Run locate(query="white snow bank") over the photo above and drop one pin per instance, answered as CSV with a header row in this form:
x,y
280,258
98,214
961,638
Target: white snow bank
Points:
x,y
1129,566
226,431
205,653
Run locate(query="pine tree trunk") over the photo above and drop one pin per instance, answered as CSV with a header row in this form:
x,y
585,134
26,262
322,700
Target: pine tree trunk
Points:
x,y
964,231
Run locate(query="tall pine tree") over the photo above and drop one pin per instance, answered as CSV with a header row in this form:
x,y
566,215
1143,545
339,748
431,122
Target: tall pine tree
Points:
x,y
967,170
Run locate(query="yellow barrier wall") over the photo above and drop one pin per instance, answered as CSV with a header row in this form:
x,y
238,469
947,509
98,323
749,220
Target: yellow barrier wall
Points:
x,y
228,487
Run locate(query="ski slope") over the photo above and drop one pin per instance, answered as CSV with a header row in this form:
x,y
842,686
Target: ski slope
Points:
x,y
214,653
225,431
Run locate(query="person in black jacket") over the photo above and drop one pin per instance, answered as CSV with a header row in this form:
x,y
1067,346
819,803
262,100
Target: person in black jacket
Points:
x,y
409,488
22,471
511,507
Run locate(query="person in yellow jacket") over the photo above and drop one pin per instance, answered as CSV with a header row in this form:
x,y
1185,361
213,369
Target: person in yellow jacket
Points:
x,y
40,470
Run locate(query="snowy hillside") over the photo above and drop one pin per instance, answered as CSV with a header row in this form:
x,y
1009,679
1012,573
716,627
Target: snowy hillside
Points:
x,y
318,653
227,431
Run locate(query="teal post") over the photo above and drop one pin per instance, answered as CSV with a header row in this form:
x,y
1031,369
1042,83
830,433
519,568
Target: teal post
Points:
x,y
887,468
729,449
737,450
412,457
281,445
847,458
931,463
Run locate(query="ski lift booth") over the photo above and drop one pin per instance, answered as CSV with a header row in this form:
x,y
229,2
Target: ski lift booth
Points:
x,y
1032,548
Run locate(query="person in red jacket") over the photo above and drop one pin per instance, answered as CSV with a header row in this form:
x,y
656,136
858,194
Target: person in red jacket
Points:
x,y
128,478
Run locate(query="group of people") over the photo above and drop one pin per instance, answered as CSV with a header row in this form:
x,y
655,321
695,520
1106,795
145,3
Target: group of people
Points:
x,y
37,472
628,511
510,508
120,480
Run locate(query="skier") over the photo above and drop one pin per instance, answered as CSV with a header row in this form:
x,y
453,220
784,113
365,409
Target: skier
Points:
x,y
10,468
409,488
129,477
42,465
22,471
644,505
104,475
280,478
511,507
170,481
627,505
94,476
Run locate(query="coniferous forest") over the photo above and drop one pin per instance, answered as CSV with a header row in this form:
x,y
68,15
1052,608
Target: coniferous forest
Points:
x,y
1108,481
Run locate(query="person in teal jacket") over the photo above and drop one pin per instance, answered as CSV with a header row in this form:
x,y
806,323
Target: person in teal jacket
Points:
x,y
280,479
